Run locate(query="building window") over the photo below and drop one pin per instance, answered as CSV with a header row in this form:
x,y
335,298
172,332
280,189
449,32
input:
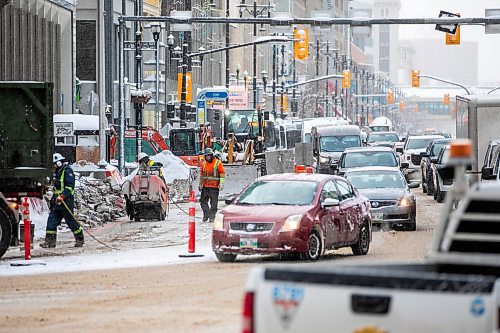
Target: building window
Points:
x,y
86,50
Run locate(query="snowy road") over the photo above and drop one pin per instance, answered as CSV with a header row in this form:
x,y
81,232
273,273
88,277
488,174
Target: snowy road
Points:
x,y
155,290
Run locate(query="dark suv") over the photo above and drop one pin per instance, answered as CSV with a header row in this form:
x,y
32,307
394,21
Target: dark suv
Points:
x,y
428,157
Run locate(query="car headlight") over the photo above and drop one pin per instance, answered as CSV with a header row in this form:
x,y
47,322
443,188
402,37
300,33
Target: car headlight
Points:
x,y
218,223
292,222
323,159
405,202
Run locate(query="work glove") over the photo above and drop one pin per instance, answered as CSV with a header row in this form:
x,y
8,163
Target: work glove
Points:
x,y
221,187
59,199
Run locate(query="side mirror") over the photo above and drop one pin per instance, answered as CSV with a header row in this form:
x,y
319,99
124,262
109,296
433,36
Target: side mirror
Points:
x,y
329,202
400,150
334,167
424,154
229,200
487,173
402,140
404,165
414,185
434,159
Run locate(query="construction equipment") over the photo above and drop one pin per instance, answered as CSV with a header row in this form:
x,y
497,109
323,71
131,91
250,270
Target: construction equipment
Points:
x,y
146,195
26,148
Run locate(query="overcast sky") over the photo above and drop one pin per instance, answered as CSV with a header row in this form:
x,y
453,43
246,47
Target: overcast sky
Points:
x,y
489,45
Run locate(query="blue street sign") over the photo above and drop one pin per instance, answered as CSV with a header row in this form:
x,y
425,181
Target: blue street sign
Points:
x,y
201,104
216,95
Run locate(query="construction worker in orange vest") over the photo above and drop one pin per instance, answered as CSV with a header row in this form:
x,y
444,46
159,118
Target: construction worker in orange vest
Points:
x,y
211,182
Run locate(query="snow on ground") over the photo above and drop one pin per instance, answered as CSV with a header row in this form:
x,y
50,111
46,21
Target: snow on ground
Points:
x,y
112,260
173,167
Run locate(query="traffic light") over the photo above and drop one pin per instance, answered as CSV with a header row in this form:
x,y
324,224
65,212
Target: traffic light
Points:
x,y
301,44
390,97
346,78
446,99
415,78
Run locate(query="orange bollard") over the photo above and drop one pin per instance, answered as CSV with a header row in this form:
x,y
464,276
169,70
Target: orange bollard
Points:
x,y
192,214
192,226
27,229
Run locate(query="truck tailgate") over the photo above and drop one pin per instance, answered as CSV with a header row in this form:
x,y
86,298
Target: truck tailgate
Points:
x,y
344,299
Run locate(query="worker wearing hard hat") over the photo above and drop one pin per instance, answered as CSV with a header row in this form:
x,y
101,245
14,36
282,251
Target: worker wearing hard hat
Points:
x,y
145,161
62,204
211,182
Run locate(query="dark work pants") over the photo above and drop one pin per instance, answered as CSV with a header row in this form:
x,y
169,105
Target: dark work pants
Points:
x,y
212,194
55,218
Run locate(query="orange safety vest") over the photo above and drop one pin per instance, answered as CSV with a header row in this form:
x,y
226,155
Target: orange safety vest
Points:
x,y
212,174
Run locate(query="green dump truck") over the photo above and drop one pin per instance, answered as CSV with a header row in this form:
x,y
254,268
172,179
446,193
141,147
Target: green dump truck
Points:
x,y
26,148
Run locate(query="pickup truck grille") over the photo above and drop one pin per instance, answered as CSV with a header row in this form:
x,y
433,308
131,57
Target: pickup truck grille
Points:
x,y
415,159
382,203
251,226
478,229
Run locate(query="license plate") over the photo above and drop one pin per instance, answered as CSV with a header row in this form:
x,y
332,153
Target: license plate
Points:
x,y
248,243
378,217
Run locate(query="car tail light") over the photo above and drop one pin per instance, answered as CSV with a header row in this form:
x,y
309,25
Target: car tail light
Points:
x,y
248,313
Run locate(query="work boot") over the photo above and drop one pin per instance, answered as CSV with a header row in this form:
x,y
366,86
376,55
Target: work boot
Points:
x,y
50,241
79,240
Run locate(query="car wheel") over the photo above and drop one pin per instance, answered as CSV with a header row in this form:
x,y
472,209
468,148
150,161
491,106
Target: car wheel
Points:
x,y
314,246
439,195
424,184
412,226
5,232
363,244
226,257
430,185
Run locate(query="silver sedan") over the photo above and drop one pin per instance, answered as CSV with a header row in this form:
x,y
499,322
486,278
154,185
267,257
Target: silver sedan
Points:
x,y
392,202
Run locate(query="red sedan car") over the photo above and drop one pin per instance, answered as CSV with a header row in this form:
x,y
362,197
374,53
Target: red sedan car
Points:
x,y
304,214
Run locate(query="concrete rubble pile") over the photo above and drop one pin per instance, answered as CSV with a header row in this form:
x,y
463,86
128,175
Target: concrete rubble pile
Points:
x,y
97,202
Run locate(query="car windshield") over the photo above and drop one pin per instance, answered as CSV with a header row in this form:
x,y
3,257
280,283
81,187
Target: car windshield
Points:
x,y
385,137
437,148
283,192
420,143
376,179
369,158
338,143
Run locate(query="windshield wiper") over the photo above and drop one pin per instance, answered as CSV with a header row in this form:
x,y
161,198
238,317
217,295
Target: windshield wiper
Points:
x,y
245,203
278,203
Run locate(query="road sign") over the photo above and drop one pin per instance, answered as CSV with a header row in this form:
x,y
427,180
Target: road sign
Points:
x,y
216,95
449,28
492,28
453,39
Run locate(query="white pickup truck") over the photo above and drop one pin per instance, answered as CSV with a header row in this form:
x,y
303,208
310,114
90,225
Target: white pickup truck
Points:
x,y
456,289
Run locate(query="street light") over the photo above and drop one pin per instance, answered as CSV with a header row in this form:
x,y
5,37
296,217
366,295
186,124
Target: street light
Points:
x,y
238,68
264,76
156,30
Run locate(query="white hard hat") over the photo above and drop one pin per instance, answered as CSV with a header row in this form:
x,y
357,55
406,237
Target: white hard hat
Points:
x,y
57,157
141,156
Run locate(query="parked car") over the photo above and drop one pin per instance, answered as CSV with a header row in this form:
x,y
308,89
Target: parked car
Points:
x,y
382,138
442,175
392,202
414,145
489,171
303,214
429,157
368,156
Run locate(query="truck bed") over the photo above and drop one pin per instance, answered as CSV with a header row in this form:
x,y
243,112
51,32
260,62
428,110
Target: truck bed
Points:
x,y
393,298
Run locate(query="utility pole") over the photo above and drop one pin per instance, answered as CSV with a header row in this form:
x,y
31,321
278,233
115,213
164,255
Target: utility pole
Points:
x,y
101,84
317,74
224,130
138,59
274,81
183,113
326,83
